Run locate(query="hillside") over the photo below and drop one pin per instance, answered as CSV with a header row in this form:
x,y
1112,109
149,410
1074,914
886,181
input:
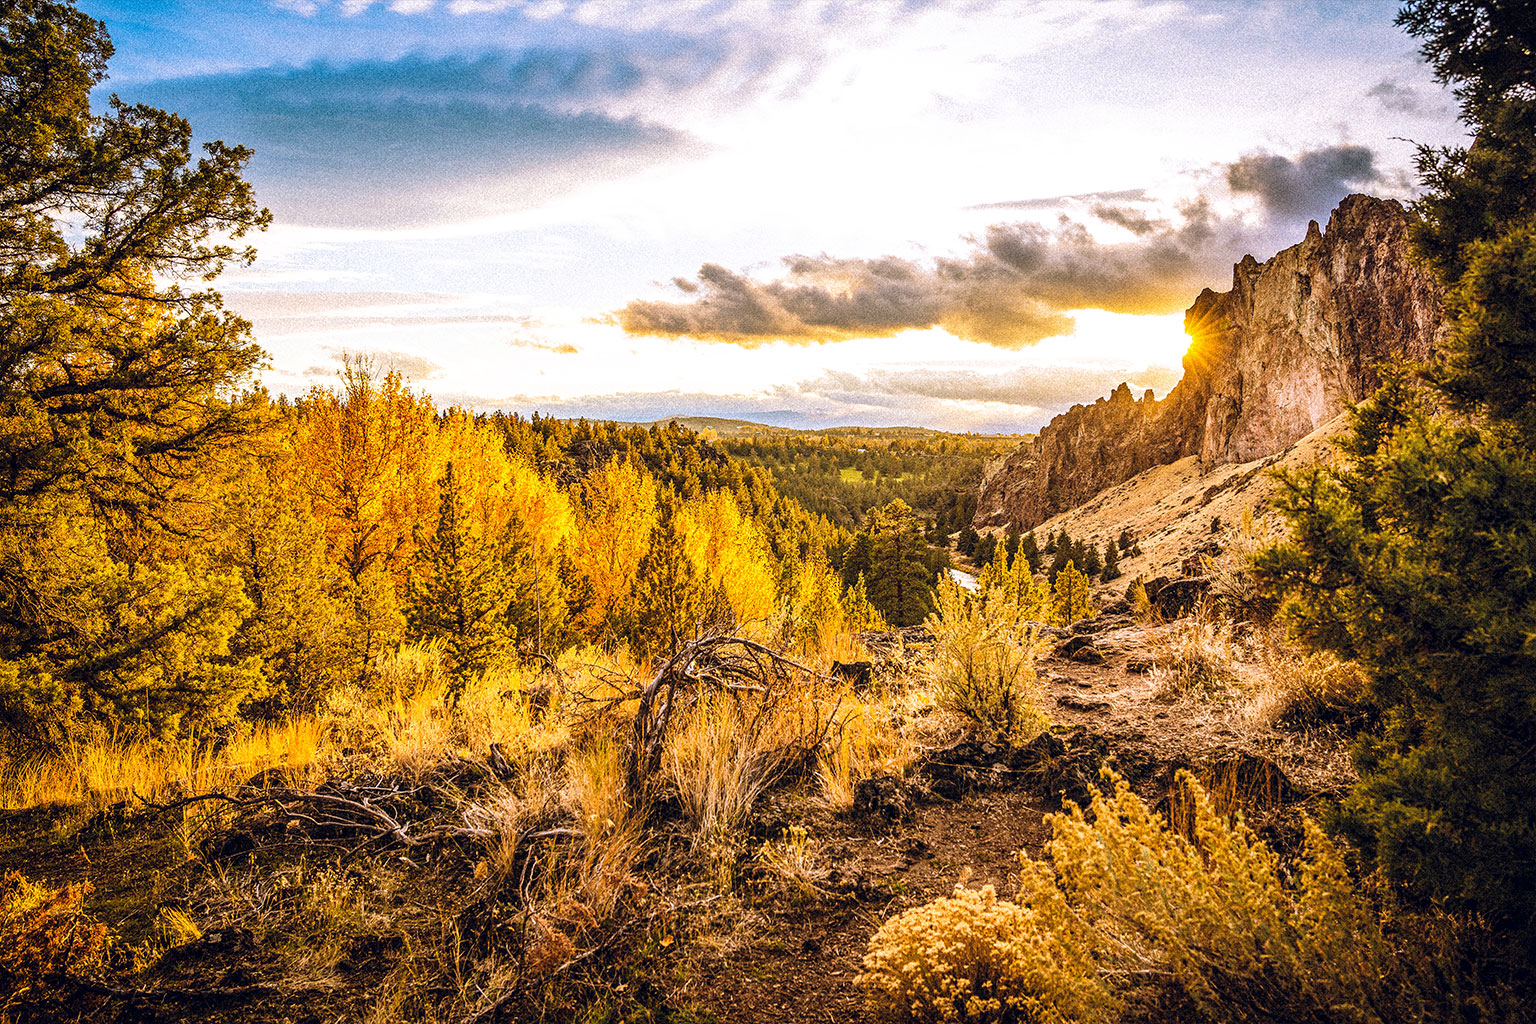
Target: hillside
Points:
x,y
1295,340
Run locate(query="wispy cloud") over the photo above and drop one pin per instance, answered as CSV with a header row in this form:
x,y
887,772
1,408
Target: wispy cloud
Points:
x,y
421,140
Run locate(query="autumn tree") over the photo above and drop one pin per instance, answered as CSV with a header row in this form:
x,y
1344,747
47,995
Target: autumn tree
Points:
x,y
618,512
370,463
1071,593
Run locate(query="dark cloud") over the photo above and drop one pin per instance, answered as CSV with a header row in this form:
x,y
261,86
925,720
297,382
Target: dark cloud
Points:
x,y
1400,99
1313,181
1018,282
389,143
825,299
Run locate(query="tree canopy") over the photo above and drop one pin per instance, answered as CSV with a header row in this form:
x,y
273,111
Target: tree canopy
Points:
x,y
1414,556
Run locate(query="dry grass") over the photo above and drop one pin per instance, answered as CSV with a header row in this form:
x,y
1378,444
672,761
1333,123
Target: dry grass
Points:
x,y
100,769
868,737
1296,688
1197,656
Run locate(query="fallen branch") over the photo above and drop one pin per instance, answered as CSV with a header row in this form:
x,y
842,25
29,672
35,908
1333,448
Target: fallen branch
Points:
x,y
507,998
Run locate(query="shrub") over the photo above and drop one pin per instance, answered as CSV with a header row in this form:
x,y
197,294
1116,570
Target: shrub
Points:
x,y
1128,913
45,934
984,661
974,957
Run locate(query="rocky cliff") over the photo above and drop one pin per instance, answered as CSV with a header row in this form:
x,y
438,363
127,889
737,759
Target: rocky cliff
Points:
x,y
1293,342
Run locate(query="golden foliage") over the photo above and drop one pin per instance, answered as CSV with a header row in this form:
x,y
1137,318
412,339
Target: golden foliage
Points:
x,y
1128,912
985,646
45,933
973,957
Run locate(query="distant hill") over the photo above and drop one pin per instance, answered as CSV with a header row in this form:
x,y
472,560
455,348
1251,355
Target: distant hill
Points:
x,y
723,427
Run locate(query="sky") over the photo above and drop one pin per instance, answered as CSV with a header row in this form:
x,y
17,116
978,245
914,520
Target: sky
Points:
x,y
963,214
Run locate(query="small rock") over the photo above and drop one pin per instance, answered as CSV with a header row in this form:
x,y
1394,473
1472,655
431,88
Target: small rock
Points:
x,y
1088,656
883,796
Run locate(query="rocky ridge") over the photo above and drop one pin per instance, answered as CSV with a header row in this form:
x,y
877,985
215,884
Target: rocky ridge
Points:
x,y
1295,340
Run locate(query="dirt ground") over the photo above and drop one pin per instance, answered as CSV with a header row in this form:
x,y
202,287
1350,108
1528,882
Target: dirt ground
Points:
x,y
768,951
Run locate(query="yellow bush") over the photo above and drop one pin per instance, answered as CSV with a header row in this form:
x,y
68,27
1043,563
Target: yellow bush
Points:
x,y
973,957
46,933
1128,912
984,654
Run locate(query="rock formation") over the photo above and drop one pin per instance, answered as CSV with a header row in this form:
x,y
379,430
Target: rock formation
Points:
x,y
1296,339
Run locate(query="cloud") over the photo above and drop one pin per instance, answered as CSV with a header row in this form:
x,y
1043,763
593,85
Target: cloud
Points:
x,y
1307,184
278,313
949,398
423,140
1400,99
1019,281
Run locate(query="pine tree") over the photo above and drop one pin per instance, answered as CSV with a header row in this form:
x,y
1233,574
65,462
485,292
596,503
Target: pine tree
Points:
x,y
1090,561
900,584
461,591
1071,595
1413,557
671,599
1111,563
1030,548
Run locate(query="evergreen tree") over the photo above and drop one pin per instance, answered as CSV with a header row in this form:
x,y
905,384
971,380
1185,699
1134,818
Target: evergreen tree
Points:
x,y
1413,557
1031,551
115,395
1111,563
461,591
1090,562
900,583
671,601
861,615
858,559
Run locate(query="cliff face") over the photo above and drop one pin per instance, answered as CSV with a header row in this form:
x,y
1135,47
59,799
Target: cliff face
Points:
x,y
1295,340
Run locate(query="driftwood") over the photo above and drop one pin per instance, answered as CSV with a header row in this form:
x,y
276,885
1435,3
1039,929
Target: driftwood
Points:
x,y
357,812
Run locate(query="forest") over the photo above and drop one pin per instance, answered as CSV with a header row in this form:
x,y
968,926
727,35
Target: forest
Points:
x,y
353,706
841,473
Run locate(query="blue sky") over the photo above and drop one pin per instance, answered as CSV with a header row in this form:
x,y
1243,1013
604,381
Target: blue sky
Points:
x,y
965,214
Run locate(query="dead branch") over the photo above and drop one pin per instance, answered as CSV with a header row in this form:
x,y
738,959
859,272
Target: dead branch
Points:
x,y
728,663
506,999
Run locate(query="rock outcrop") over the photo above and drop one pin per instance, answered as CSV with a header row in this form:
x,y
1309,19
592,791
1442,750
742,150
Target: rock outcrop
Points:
x,y
1296,339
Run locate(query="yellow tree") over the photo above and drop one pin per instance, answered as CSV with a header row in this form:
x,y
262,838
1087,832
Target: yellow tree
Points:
x,y
370,462
1072,596
731,554
617,516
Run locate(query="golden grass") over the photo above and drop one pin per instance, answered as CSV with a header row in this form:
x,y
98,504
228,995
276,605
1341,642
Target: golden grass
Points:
x,y
868,737
100,769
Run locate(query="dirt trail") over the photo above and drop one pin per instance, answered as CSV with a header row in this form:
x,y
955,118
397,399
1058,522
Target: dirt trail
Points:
x,y
800,957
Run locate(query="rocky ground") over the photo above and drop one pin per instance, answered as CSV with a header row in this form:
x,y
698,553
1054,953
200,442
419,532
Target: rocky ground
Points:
x,y
775,948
